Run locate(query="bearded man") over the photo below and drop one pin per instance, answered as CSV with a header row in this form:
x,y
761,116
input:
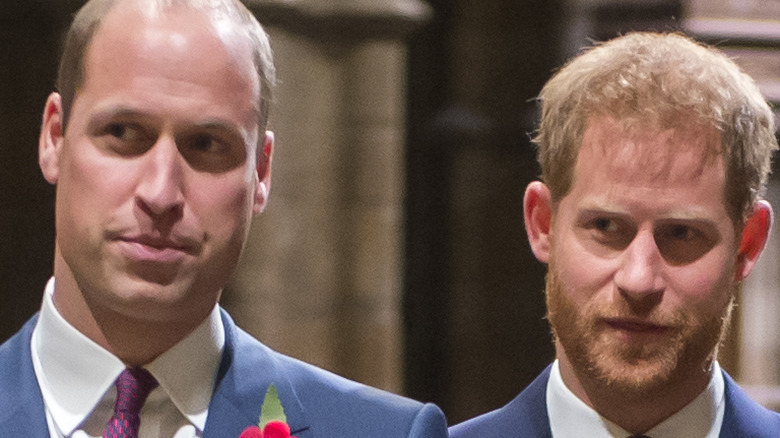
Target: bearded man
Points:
x,y
654,152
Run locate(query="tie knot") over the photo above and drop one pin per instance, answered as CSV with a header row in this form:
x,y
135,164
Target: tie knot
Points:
x,y
132,387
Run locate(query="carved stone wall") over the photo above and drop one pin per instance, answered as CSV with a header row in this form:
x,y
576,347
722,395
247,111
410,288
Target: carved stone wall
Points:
x,y
321,277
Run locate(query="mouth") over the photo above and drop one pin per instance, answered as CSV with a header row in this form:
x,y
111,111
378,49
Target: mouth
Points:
x,y
637,329
143,248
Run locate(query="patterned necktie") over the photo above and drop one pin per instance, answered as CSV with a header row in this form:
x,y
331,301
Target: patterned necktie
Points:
x,y
132,387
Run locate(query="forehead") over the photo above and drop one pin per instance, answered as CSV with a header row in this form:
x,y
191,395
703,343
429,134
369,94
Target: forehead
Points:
x,y
652,171
177,43
648,155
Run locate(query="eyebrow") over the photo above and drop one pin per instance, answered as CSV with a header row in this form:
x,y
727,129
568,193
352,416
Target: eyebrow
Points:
x,y
219,126
214,124
102,115
688,214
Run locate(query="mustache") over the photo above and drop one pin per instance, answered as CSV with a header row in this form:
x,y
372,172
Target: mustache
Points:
x,y
646,314
622,312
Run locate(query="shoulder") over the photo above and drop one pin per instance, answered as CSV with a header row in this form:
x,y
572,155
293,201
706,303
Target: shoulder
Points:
x,y
329,399
21,403
524,416
15,353
745,417
336,406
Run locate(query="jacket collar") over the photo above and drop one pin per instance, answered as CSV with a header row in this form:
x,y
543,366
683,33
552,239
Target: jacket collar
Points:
x,y
247,369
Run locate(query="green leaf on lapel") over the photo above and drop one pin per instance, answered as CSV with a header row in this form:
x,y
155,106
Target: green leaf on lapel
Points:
x,y
272,408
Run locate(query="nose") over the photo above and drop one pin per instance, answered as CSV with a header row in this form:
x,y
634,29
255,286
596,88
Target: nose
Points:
x,y
639,274
160,190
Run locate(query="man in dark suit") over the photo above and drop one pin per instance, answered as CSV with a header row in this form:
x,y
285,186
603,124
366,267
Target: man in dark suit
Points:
x,y
654,153
156,143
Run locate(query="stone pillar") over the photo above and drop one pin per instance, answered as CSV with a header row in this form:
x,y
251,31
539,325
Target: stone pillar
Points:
x,y
321,276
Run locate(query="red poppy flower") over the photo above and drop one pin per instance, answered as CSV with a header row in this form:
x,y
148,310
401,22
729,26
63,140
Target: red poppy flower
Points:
x,y
274,429
251,432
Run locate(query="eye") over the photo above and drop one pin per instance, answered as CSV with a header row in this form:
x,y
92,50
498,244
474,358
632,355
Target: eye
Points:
x,y
681,244
211,153
605,225
608,232
116,130
205,143
125,138
682,233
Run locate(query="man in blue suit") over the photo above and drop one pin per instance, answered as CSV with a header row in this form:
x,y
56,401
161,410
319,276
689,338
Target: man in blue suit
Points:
x,y
156,143
654,153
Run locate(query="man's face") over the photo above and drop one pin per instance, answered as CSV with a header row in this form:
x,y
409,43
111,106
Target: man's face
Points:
x,y
642,262
158,174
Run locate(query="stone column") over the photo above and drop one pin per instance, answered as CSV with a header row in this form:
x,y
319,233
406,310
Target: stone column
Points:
x,y
321,276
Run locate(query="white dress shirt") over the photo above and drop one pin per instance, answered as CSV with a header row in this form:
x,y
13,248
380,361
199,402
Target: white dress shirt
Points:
x,y
76,377
571,417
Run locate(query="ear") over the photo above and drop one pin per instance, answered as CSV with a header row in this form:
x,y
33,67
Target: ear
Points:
x,y
264,158
51,139
754,237
537,211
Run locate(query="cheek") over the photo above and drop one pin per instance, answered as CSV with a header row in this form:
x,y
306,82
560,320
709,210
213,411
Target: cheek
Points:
x,y
90,177
582,274
89,192
709,282
223,206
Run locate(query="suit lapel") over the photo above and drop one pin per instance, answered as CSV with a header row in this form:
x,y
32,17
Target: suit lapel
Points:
x,y
744,417
248,368
21,404
523,417
529,409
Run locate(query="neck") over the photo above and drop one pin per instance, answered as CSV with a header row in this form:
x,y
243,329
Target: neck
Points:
x,y
135,341
637,410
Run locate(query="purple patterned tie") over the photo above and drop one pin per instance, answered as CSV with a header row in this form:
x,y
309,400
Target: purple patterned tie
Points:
x,y
132,387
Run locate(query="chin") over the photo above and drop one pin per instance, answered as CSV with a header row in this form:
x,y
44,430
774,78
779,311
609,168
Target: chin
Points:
x,y
632,376
148,300
645,369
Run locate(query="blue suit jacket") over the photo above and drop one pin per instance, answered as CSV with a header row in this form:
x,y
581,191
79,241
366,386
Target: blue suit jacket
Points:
x,y
317,403
526,416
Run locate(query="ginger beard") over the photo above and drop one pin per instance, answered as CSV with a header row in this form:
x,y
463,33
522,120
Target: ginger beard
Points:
x,y
599,357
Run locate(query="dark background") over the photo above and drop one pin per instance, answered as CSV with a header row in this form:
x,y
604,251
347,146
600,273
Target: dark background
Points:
x,y
29,45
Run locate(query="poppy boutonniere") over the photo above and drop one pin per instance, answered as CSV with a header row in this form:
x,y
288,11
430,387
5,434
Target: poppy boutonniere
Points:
x,y
273,422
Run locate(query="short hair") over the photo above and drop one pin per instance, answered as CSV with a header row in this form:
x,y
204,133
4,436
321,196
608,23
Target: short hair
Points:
x,y
657,80
86,23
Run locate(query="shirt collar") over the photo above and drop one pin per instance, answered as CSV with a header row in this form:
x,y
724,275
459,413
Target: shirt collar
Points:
x,y
187,371
570,416
72,386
